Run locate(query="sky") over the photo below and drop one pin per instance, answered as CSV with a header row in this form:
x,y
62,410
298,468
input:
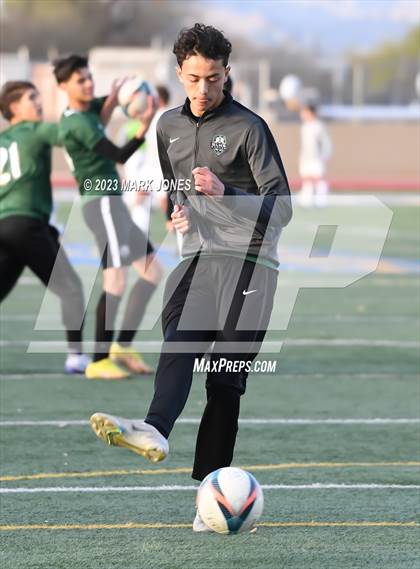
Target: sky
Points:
x,y
336,26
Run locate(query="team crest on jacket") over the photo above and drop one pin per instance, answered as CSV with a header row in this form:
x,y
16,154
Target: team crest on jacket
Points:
x,y
218,144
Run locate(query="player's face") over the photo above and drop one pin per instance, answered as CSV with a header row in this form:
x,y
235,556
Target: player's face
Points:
x,y
203,80
80,87
28,108
306,115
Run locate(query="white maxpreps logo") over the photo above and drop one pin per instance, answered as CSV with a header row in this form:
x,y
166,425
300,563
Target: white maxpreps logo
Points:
x,y
329,268
171,140
218,144
245,292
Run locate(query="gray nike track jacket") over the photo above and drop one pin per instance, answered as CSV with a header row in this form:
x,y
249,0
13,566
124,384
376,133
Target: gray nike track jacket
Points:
x,y
238,147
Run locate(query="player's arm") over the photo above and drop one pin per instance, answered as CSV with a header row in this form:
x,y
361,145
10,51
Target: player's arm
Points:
x,y
90,134
167,173
273,203
104,147
120,154
177,211
48,132
108,108
165,164
111,101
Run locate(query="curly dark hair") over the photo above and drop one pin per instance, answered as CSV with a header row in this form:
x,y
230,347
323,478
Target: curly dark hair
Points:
x,y
202,40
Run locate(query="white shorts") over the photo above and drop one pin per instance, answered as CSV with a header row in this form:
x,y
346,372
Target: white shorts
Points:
x,y
311,169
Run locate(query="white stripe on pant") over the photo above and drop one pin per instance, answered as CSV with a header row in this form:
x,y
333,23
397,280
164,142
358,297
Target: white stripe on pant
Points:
x,y
111,232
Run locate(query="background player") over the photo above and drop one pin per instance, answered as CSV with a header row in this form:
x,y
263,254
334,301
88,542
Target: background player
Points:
x,y
121,243
26,238
144,165
314,154
231,221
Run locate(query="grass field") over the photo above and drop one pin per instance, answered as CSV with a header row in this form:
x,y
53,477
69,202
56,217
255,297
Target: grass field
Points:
x,y
333,435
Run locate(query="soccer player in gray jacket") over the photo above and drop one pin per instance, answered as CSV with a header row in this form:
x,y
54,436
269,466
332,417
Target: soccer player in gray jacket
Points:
x,y
231,199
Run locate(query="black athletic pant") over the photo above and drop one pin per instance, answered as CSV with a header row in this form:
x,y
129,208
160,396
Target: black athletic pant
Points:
x,y
209,293
28,242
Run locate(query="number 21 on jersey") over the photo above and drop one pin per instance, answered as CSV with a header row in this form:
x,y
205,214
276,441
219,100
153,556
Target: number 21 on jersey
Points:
x,y
9,155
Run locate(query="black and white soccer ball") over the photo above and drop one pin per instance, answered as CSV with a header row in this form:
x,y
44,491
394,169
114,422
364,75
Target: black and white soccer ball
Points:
x,y
132,96
230,500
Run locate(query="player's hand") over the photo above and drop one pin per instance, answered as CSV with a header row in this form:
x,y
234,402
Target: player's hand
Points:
x,y
115,89
147,117
169,226
111,101
180,219
208,183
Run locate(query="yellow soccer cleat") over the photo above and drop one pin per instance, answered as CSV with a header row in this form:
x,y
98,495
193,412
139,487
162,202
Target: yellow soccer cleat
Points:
x,y
129,357
137,436
105,369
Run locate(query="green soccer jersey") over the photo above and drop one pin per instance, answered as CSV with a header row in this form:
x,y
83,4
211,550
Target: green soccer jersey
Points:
x,y
25,169
79,133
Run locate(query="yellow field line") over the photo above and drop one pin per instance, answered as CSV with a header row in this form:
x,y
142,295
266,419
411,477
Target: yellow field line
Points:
x,y
134,525
93,474
157,471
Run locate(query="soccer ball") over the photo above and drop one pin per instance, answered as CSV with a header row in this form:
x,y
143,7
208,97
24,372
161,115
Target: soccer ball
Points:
x,y
230,500
132,96
290,91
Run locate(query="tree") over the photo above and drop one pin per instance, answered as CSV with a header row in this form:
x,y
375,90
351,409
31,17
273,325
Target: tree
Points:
x,y
69,25
391,68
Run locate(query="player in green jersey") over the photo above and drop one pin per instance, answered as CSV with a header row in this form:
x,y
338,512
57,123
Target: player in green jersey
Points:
x,y
26,238
121,243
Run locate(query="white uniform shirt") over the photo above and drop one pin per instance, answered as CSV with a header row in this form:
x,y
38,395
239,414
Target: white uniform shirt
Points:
x,y
144,167
150,169
315,149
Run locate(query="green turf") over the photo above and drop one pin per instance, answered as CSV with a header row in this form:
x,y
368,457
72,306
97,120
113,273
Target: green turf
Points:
x,y
311,382
175,549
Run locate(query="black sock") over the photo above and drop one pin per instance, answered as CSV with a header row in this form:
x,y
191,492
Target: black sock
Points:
x,y
106,312
74,341
139,297
217,432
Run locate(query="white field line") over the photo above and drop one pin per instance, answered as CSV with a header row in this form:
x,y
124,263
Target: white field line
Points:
x,y
27,318
270,346
179,488
353,199
294,376
332,319
251,421
351,342
38,375
396,198
399,199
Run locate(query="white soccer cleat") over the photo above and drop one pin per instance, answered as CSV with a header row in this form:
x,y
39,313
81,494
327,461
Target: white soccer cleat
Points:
x,y
137,436
199,525
76,363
